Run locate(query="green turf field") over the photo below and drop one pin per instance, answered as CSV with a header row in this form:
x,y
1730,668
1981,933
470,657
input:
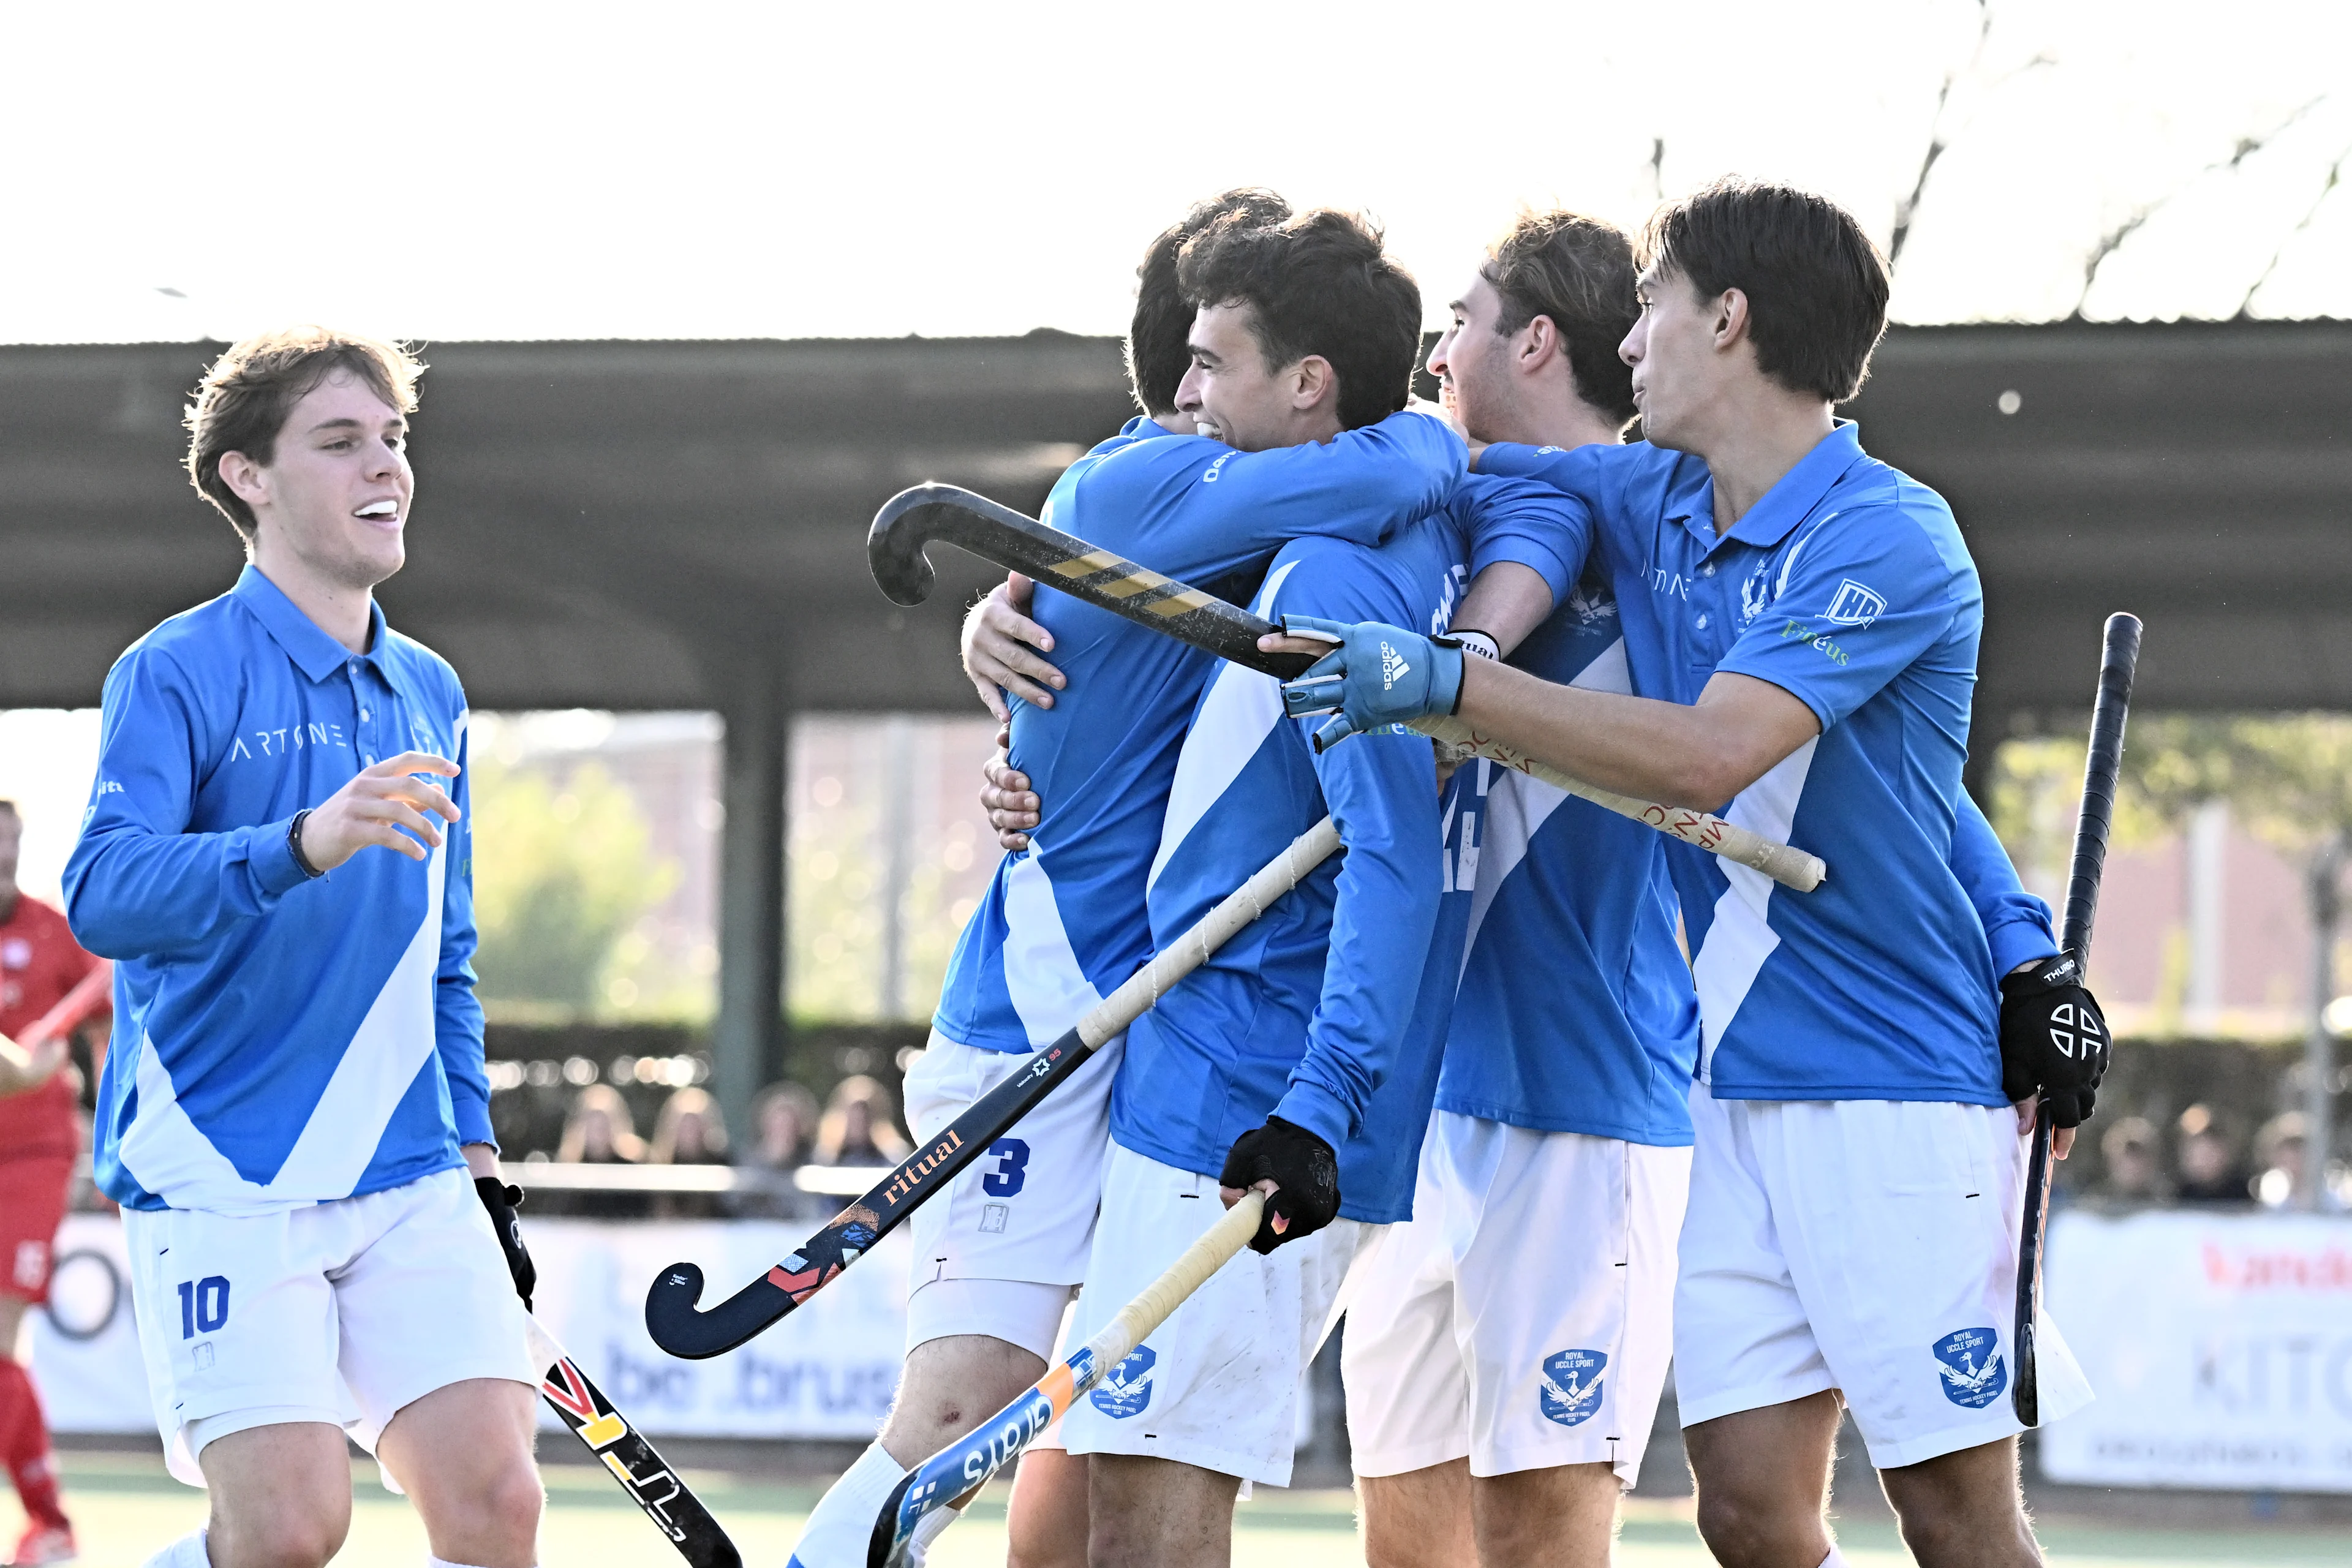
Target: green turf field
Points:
x,y
125,1507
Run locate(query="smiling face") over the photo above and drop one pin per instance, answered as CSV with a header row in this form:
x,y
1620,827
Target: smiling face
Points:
x,y
1471,363
1235,397
1685,349
334,497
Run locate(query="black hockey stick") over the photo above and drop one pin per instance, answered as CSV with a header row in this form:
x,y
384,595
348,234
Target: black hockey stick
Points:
x,y
913,517
2117,660
682,1329
648,1480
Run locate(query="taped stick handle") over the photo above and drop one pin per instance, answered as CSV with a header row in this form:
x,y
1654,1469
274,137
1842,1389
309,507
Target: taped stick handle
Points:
x,y
1790,867
1143,989
1133,1324
2119,662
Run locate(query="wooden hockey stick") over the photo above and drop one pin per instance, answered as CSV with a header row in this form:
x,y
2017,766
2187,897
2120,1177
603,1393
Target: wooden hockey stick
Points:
x,y
2119,659
648,1480
972,1459
913,517
683,1329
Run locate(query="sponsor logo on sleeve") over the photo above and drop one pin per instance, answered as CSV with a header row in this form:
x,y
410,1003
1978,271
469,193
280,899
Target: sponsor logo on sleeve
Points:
x,y
1127,1390
1974,1372
1854,606
1570,1387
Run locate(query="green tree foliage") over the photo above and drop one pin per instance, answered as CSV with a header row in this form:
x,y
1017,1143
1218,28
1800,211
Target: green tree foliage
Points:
x,y
562,870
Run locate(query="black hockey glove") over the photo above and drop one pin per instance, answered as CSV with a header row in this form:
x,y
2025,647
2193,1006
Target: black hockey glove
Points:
x,y
2054,1040
1305,1173
501,1200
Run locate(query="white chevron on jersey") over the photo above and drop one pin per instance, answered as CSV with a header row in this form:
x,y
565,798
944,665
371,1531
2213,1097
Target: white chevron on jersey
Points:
x,y
165,1151
1042,973
1740,938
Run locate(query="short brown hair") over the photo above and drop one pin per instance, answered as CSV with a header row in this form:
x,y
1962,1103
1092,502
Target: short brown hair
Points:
x,y
1579,272
1816,286
243,401
1159,347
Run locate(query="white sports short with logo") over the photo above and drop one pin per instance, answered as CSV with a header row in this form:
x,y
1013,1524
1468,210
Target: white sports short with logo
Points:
x,y
1217,1384
1522,1317
1868,1246
340,1312
1000,1252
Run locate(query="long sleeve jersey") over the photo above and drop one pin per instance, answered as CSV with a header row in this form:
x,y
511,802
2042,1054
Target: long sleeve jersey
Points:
x,y
1847,586
1315,1006
1063,921
279,1040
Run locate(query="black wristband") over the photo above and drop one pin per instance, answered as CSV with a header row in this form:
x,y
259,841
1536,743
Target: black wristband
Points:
x,y
294,845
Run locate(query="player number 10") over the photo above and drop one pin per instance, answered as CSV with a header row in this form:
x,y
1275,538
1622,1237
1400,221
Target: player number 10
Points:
x,y
203,1306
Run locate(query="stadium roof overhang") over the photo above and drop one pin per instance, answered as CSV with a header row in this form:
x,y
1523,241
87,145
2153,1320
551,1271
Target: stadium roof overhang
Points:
x,y
631,524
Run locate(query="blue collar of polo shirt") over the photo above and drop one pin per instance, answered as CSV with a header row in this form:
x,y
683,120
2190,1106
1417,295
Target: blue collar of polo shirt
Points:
x,y
314,653
1788,503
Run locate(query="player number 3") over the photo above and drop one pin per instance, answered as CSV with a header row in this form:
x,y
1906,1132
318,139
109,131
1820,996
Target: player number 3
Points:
x,y
203,1306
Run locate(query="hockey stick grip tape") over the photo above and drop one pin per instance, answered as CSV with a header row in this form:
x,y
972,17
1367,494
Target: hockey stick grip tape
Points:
x,y
1790,867
1144,988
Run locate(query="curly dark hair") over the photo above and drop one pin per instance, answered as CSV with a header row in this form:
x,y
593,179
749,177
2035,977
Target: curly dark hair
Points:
x,y
1157,353
1317,284
1816,286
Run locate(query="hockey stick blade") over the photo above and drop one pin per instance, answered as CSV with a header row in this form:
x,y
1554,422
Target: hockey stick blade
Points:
x,y
2119,661
913,518
680,1327
683,1329
969,1460
621,1448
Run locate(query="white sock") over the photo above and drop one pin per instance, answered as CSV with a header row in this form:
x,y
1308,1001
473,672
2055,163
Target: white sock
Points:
x,y
1836,1559
842,1525
188,1552
918,1545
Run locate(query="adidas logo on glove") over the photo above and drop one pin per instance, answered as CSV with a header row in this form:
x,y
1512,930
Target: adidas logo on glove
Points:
x,y
1393,667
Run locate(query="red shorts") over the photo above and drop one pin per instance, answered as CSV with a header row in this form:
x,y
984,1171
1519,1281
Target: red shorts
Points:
x,y
31,1206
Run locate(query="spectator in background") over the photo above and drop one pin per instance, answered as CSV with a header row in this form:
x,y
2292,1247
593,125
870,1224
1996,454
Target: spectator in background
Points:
x,y
2208,1155
2134,1166
2278,1161
688,1131
600,1131
783,1122
860,1126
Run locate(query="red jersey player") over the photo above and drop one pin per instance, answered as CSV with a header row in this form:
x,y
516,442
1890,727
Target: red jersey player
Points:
x,y
40,963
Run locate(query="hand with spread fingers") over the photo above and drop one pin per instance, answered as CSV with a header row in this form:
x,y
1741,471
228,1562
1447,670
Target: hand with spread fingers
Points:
x,y
1376,675
1003,647
384,806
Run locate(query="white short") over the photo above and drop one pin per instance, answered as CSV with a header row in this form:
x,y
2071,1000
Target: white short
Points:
x,y
1522,1317
1868,1246
1217,1384
342,1313
1001,1250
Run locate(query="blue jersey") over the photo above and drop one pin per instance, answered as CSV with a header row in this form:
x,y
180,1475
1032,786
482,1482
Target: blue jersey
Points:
x,y
278,1040
1847,586
1575,1013
1063,921
1305,1012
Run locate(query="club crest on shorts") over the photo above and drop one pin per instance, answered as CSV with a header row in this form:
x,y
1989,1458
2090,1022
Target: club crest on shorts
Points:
x,y
1974,1372
1570,1391
1127,1390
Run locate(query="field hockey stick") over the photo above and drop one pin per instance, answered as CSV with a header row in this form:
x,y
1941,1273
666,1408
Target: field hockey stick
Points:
x,y
913,518
972,1459
682,1329
2117,660
648,1480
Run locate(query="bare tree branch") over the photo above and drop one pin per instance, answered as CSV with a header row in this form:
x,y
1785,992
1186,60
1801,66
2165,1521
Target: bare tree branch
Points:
x,y
2247,146
1658,167
2334,177
1940,138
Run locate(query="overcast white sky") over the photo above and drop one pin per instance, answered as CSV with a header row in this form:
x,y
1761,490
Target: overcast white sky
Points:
x,y
514,171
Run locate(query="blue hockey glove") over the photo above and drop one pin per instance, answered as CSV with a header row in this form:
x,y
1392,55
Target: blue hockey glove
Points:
x,y
1377,675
